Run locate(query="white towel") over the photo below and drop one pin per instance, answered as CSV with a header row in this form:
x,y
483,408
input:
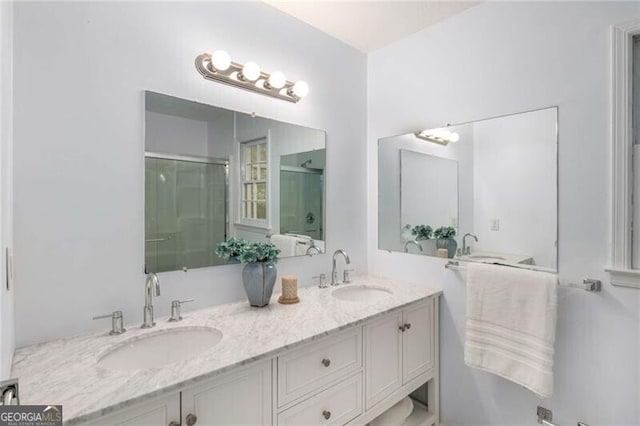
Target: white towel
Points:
x,y
286,244
396,415
511,324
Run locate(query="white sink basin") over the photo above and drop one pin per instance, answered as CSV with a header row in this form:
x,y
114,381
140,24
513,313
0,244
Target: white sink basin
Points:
x,y
361,293
160,348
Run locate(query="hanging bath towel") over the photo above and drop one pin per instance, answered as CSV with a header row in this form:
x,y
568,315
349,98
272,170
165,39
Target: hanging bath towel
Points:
x,y
511,324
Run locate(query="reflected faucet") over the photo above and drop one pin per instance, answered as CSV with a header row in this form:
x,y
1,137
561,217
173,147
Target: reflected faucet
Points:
x,y
308,252
334,273
151,288
466,250
414,242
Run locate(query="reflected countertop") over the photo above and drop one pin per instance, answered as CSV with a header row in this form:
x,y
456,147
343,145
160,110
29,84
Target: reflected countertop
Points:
x,y
66,371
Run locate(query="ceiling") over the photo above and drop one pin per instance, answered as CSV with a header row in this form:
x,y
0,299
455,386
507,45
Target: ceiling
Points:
x,y
370,25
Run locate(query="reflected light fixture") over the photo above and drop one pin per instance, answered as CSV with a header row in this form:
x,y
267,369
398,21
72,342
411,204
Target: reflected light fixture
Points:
x,y
219,67
439,136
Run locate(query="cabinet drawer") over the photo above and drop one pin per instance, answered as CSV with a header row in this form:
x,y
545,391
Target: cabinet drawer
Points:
x,y
335,406
304,370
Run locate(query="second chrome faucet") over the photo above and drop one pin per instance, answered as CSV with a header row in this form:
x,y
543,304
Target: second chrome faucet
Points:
x,y
334,271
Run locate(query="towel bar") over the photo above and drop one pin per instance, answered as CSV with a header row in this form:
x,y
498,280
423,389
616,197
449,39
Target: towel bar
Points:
x,y
545,416
544,422
588,284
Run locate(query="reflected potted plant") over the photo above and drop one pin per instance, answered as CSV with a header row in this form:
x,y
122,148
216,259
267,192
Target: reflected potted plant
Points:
x,y
259,274
422,232
231,249
444,239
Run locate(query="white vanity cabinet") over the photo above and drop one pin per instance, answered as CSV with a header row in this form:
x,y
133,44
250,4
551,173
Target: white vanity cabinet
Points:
x,y
243,396
400,349
348,377
160,411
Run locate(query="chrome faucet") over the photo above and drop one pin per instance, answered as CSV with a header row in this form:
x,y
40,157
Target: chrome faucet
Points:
x,y
151,288
466,250
334,272
414,242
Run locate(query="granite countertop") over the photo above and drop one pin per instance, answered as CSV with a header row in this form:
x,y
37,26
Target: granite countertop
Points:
x,y
65,371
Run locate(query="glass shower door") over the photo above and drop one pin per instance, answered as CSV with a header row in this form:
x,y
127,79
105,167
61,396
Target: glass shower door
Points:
x,y
185,213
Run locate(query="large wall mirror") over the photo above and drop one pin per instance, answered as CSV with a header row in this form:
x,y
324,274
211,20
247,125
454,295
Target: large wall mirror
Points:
x,y
212,174
484,191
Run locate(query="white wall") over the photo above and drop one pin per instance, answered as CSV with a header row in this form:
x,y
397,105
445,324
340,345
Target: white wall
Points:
x,y
176,135
7,340
79,146
522,147
505,57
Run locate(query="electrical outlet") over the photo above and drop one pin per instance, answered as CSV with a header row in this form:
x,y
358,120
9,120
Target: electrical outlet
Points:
x,y
454,222
495,224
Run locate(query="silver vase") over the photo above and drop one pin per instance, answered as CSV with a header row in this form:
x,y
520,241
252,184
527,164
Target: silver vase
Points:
x,y
258,279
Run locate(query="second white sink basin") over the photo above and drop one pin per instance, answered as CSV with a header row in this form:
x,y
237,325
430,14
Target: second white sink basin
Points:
x,y
160,348
361,293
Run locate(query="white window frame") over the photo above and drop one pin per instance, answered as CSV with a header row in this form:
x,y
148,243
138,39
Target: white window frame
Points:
x,y
621,269
264,224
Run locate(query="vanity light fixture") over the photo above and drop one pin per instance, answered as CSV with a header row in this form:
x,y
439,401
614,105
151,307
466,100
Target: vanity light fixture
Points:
x,y
219,67
439,136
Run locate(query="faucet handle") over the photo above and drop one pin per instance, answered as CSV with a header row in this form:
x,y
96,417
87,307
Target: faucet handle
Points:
x,y
176,306
346,279
117,320
321,280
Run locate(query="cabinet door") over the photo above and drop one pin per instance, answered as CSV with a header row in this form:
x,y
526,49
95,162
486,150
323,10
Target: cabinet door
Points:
x,y
417,341
159,412
239,398
382,352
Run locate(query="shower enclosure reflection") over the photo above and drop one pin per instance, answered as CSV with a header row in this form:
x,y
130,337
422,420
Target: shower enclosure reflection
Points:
x,y
185,211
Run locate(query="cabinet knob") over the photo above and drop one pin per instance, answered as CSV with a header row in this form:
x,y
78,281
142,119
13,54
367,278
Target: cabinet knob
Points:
x,y
326,362
407,325
191,419
402,328
174,424
326,414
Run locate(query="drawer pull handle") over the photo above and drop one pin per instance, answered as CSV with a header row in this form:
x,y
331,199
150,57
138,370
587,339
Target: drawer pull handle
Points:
x,y
407,325
402,328
174,424
326,362
191,419
326,414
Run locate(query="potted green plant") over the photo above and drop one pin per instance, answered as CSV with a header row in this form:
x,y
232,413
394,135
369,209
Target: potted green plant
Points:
x,y
422,232
259,274
231,249
444,239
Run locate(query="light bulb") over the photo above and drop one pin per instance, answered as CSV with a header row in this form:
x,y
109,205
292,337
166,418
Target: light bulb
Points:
x,y
277,80
220,60
454,137
251,71
301,89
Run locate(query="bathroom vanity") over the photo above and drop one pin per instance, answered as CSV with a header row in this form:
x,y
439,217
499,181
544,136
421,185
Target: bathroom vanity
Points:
x,y
343,355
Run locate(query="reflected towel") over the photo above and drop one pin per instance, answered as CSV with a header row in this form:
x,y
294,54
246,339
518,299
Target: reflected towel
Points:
x,y
511,324
286,244
396,415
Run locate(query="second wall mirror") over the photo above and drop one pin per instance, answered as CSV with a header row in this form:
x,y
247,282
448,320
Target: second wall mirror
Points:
x,y
484,191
